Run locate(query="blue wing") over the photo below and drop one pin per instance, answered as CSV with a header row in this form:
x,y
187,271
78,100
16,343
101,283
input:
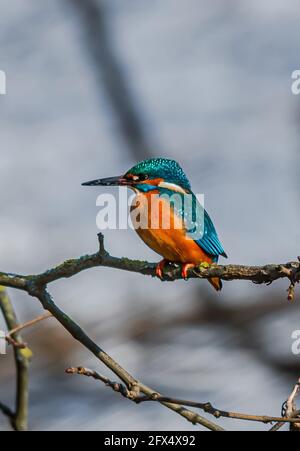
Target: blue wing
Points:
x,y
210,242
198,224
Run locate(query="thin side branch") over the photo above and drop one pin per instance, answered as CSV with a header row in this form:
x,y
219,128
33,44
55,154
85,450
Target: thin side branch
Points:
x,y
115,386
6,411
134,394
206,407
9,337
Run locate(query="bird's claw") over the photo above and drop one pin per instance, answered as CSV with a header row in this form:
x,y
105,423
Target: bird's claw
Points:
x,y
160,269
185,269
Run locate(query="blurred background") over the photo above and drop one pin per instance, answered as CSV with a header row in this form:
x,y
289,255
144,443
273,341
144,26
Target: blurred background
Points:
x,y
94,87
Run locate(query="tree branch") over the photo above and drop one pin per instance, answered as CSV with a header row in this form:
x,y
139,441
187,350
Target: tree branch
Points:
x,y
257,274
19,418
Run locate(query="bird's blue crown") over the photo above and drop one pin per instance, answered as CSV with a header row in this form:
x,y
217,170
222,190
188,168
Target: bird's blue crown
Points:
x,y
169,170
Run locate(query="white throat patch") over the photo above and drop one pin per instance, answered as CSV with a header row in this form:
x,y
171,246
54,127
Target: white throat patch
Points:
x,y
172,187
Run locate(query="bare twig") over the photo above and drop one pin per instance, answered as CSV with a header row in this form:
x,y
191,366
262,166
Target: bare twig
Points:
x,y
116,386
19,418
291,408
15,343
6,411
277,426
9,336
133,394
217,413
206,407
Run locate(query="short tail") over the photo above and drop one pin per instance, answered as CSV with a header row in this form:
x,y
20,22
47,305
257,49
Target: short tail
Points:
x,y
216,283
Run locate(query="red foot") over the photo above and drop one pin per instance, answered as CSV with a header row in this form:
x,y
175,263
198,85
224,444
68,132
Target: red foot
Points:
x,y
160,268
185,269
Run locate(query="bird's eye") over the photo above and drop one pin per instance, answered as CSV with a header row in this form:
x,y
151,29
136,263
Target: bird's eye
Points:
x,y
143,177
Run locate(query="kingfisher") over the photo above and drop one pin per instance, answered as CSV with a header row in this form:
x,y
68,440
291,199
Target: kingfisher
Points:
x,y
156,182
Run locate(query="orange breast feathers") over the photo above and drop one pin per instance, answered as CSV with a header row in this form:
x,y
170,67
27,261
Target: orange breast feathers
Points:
x,y
164,232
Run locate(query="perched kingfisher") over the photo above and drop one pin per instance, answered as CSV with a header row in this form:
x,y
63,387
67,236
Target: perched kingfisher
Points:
x,y
155,181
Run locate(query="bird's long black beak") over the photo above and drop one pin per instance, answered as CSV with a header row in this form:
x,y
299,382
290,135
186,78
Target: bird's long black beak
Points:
x,y
109,181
